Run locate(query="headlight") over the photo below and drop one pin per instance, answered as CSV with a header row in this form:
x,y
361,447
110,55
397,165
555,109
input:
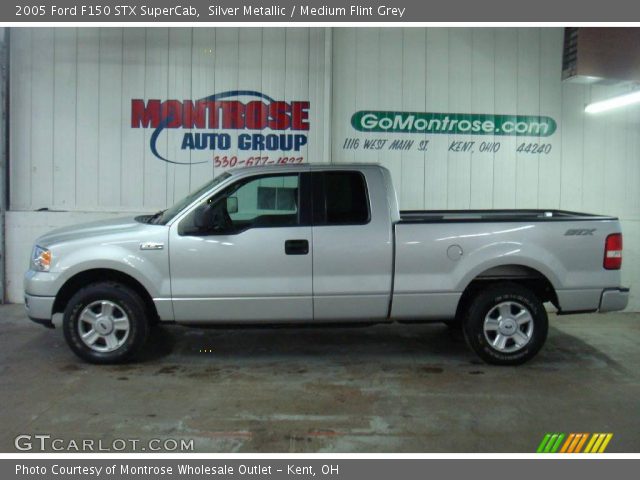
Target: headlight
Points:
x,y
41,259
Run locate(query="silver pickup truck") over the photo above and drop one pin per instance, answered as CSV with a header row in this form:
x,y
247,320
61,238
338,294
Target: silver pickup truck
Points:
x,y
322,244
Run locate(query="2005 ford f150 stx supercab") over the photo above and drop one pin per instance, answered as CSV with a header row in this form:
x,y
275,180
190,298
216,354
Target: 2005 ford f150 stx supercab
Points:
x,y
322,244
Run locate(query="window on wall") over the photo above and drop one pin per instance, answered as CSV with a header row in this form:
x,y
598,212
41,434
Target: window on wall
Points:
x,y
277,198
267,201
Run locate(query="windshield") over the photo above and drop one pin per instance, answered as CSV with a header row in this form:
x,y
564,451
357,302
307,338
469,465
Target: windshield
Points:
x,y
166,215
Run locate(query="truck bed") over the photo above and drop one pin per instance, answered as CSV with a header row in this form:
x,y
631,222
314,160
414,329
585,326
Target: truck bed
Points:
x,y
440,216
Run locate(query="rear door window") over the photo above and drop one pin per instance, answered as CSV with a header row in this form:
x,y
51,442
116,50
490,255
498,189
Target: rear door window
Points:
x,y
340,198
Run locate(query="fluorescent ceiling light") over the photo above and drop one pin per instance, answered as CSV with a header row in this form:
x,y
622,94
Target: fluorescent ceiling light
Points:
x,y
615,102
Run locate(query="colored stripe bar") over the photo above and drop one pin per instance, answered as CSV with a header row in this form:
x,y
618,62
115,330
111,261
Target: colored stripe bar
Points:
x,y
596,446
598,442
574,443
570,439
556,446
591,443
576,440
551,443
581,443
543,443
606,441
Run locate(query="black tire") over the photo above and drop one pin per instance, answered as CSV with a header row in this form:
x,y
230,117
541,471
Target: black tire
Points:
x,y
123,300
485,306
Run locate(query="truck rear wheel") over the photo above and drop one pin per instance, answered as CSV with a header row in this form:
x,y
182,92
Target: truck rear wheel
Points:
x,y
105,323
505,324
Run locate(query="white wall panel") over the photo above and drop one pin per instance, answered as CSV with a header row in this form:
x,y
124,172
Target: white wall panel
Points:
x,y
482,100
550,165
110,116
505,101
437,100
572,160
64,97
319,68
344,88
412,64
459,171
72,143
616,168
85,122
631,203
156,87
203,82
272,61
41,117
382,70
132,146
368,72
179,79
20,119
228,67
250,50
528,103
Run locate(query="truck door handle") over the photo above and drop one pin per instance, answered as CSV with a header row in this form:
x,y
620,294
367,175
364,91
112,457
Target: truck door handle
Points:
x,y
296,247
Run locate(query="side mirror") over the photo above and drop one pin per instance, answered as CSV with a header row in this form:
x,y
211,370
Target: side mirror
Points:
x,y
202,217
232,205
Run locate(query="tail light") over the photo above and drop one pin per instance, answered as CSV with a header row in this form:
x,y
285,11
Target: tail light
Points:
x,y
613,252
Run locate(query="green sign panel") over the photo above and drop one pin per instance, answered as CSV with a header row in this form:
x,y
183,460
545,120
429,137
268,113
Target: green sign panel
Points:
x,y
453,123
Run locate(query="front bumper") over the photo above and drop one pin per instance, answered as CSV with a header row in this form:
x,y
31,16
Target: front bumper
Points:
x,y
39,309
614,299
40,290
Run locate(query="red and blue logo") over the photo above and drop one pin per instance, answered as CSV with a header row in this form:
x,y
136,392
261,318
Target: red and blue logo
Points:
x,y
241,120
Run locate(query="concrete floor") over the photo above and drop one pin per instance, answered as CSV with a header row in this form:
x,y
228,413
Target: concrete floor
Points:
x,y
386,388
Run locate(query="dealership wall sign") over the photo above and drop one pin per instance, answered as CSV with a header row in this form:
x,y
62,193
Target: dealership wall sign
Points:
x,y
232,122
429,123
453,123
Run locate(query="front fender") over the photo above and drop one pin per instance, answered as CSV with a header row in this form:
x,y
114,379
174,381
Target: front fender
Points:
x,y
149,267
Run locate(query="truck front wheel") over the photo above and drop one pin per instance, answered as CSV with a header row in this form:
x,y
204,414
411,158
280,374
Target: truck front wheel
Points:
x,y
505,324
105,323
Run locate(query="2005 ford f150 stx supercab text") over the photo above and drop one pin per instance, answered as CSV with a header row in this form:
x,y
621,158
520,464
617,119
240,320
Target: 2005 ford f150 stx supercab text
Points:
x,y
322,244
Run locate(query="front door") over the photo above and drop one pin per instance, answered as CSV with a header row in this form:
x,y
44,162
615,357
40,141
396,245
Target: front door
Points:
x,y
251,260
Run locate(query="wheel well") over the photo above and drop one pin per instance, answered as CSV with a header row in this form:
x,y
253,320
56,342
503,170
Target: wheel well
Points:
x,y
520,274
83,279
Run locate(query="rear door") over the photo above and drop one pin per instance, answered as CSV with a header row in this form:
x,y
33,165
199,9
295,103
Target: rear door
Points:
x,y
352,243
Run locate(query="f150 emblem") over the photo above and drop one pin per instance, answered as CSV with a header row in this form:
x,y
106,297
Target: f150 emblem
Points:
x,y
151,246
579,231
